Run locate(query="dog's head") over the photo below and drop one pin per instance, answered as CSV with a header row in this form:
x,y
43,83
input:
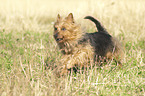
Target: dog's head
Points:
x,y
65,29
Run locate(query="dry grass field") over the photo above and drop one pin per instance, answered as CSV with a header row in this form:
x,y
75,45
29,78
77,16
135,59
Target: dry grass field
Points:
x,y
28,51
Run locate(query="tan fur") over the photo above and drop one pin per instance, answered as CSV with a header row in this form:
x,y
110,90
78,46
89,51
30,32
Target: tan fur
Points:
x,y
74,54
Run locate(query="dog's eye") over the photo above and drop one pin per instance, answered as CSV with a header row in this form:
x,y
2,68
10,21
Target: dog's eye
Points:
x,y
55,28
63,29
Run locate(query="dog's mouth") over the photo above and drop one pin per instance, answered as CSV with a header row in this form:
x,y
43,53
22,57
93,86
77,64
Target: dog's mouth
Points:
x,y
59,39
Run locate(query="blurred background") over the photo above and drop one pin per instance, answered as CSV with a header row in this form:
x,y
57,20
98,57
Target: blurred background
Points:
x,y
123,12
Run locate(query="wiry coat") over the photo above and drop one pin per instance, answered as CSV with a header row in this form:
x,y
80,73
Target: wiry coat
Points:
x,y
81,49
103,43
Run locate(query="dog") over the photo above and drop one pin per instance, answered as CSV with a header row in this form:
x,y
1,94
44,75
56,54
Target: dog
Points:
x,y
81,49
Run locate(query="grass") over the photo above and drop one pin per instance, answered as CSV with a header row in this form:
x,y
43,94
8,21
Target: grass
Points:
x,y
26,39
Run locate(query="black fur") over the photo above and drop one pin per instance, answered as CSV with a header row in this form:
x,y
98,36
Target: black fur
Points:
x,y
101,40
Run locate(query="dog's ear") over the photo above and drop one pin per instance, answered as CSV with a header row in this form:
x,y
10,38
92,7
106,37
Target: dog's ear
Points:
x,y
70,18
58,17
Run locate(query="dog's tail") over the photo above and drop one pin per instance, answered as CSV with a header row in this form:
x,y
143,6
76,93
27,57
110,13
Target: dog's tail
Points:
x,y
100,28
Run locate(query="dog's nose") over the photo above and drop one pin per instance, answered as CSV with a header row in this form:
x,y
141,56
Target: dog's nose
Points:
x,y
56,35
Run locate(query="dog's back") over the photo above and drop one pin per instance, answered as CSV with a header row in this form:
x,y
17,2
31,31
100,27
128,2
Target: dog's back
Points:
x,y
103,43
101,40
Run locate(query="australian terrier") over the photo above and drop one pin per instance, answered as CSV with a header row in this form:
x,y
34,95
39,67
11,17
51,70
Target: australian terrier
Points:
x,y
81,49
